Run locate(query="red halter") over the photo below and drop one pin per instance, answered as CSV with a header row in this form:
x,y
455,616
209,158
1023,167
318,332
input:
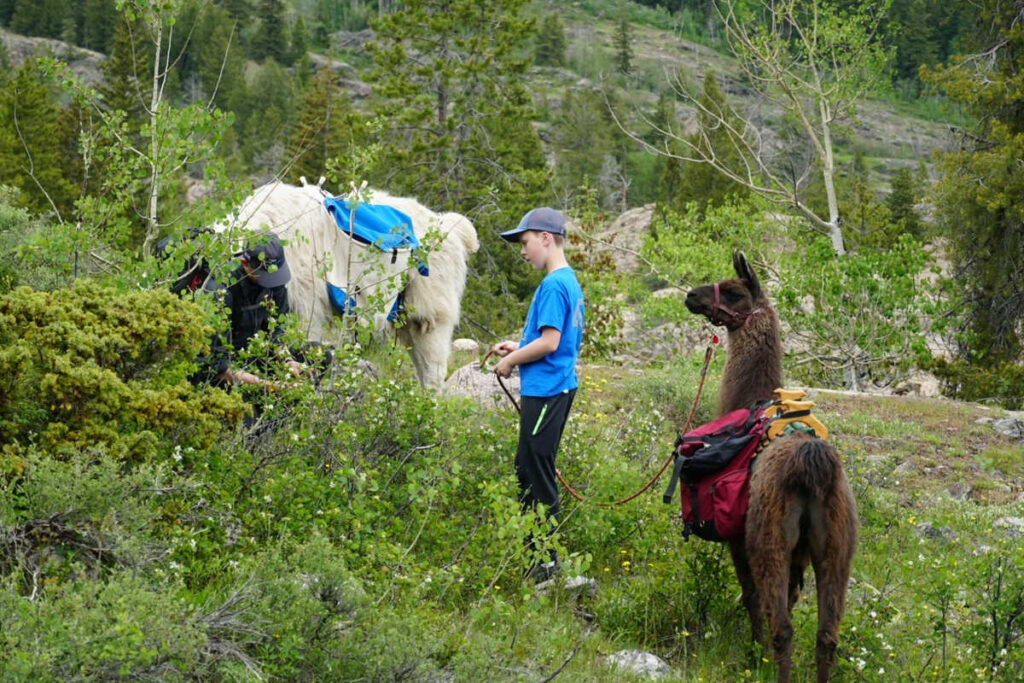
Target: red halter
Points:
x,y
720,309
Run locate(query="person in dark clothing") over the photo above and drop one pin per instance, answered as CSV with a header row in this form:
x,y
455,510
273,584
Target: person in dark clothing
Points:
x,y
257,298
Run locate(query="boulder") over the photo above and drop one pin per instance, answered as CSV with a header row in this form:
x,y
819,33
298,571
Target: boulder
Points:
x,y
467,345
624,237
640,663
482,386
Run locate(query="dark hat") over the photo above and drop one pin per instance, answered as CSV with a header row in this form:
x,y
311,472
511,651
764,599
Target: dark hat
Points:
x,y
544,219
265,255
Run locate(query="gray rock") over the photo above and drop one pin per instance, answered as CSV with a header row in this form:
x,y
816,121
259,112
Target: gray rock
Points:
x,y
482,386
1009,426
320,61
352,39
464,344
85,64
640,663
929,530
904,468
1014,525
960,491
574,585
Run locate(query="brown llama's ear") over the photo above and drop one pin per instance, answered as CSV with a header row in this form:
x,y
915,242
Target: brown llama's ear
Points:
x,y
739,263
746,273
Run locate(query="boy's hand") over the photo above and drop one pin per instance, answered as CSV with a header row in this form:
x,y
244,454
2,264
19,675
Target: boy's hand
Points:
x,y
504,348
504,366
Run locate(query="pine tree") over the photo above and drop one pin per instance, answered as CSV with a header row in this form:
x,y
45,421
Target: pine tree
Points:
x,y
300,41
869,223
40,17
583,137
126,75
270,111
219,60
270,41
30,141
240,10
550,42
670,181
326,129
99,22
906,193
6,11
457,119
5,64
442,107
623,42
978,195
916,41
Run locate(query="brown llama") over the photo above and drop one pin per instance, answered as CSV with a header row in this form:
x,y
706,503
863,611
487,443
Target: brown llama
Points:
x,y
801,509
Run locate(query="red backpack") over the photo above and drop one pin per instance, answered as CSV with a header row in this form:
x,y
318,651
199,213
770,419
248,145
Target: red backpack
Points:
x,y
713,462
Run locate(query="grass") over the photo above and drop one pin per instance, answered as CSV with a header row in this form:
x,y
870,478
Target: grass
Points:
x,y
905,457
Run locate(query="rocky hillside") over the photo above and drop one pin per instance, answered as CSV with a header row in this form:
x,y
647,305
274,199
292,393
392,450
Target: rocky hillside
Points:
x,y
84,63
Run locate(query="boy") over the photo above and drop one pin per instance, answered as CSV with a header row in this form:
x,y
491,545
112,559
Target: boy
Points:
x,y
546,357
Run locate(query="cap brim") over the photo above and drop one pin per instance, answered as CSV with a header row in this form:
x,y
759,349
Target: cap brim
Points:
x,y
513,235
281,276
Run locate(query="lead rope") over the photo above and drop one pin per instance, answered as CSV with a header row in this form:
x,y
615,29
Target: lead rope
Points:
x,y
708,354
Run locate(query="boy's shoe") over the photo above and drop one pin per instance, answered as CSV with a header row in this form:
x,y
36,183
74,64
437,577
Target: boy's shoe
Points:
x,y
540,573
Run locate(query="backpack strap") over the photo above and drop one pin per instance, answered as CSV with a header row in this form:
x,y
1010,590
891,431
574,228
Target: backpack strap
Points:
x,y
671,490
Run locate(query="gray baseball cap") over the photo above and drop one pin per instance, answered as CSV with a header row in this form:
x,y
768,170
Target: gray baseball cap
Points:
x,y
544,219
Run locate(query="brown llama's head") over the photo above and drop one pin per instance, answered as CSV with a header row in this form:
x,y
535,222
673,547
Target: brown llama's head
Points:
x,y
730,302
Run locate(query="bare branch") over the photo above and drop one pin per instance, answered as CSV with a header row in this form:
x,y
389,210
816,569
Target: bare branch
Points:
x,y
31,170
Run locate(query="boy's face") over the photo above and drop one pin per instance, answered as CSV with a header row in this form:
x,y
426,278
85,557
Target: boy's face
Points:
x,y
533,247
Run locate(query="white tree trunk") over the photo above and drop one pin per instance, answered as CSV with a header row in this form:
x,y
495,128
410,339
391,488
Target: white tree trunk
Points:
x,y
835,231
152,225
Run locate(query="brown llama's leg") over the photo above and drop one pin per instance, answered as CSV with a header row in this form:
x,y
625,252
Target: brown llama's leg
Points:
x,y
781,624
749,596
796,581
773,575
773,534
831,602
832,564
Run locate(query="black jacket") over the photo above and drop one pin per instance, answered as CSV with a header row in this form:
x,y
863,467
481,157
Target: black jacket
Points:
x,y
252,308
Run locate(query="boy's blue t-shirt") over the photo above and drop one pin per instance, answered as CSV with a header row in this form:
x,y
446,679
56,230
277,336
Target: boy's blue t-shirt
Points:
x,y
557,303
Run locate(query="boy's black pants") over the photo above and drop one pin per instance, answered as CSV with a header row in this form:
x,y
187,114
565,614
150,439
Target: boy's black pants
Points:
x,y
540,430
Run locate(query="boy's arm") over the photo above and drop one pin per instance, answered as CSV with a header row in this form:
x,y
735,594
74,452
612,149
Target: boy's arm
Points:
x,y
502,349
546,343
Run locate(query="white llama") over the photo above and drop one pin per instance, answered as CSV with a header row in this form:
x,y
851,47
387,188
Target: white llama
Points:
x,y
318,251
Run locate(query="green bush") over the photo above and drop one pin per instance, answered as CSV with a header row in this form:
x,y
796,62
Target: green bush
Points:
x,y
122,627
1002,383
93,367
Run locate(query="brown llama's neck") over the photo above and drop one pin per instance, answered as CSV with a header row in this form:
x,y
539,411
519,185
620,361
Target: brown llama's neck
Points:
x,y
753,369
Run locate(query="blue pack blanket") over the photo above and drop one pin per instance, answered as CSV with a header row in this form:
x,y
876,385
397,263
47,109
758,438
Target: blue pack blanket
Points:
x,y
382,226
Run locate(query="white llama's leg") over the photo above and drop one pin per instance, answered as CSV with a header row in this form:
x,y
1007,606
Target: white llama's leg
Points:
x,y
429,350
